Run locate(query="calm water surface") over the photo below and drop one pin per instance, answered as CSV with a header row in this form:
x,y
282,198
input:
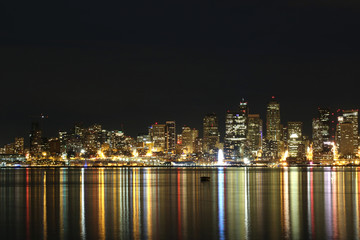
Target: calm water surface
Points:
x,y
171,203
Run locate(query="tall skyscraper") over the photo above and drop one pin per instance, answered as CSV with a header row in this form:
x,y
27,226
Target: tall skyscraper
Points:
x,y
170,136
35,139
189,137
295,140
157,133
321,127
232,136
351,116
346,141
273,130
236,129
211,136
19,145
255,133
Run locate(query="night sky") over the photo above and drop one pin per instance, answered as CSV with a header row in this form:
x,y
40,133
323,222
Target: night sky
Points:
x,y
141,62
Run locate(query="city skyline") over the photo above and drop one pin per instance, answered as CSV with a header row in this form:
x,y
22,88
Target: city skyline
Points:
x,y
51,130
247,138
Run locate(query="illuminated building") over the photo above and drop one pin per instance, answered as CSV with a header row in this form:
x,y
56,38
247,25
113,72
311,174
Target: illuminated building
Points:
x,y
198,145
10,148
188,139
157,133
170,136
321,128
254,133
346,140
54,146
35,140
273,130
236,133
211,135
63,138
295,141
144,144
19,145
347,119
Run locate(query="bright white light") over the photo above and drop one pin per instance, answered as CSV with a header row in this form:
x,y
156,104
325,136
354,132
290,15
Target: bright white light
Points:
x,y
294,135
220,157
246,161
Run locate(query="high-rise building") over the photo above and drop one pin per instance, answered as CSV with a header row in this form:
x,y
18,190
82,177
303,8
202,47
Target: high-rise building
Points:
x,y
236,130
157,133
54,146
35,139
211,136
255,133
273,130
189,137
346,140
19,145
170,136
295,140
10,148
321,127
346,118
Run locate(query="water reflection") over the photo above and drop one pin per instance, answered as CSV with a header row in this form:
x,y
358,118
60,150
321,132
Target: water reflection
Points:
x,y
153,203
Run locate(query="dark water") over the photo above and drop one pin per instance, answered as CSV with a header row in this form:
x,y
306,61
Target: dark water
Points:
x,y
159,203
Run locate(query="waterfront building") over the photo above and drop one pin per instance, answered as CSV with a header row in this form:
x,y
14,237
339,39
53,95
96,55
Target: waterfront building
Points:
x,y
211,135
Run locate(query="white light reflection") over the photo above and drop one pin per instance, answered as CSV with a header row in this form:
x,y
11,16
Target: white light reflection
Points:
x,y
221,202
247,205
82,206
328,202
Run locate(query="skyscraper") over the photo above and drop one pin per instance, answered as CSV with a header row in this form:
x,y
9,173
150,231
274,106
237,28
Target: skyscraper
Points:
x,y
321,128
351,116
19,145
273,130
157,133
211,136
272,143
295,140
170,136
255,133
189,137
348,142
35,139
236,126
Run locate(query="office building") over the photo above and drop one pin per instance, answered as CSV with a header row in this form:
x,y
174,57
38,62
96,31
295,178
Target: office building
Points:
x,y
211,135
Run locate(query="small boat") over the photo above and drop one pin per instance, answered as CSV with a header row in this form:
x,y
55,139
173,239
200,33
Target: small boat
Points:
x,y
205,179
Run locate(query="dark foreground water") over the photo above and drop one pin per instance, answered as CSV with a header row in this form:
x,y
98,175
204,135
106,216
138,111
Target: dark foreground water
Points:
x,y
160,203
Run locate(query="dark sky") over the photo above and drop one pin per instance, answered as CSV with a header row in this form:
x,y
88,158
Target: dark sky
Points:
x,y
139,62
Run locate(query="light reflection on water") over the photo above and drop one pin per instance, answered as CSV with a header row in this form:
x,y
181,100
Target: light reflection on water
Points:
x,y
172,203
